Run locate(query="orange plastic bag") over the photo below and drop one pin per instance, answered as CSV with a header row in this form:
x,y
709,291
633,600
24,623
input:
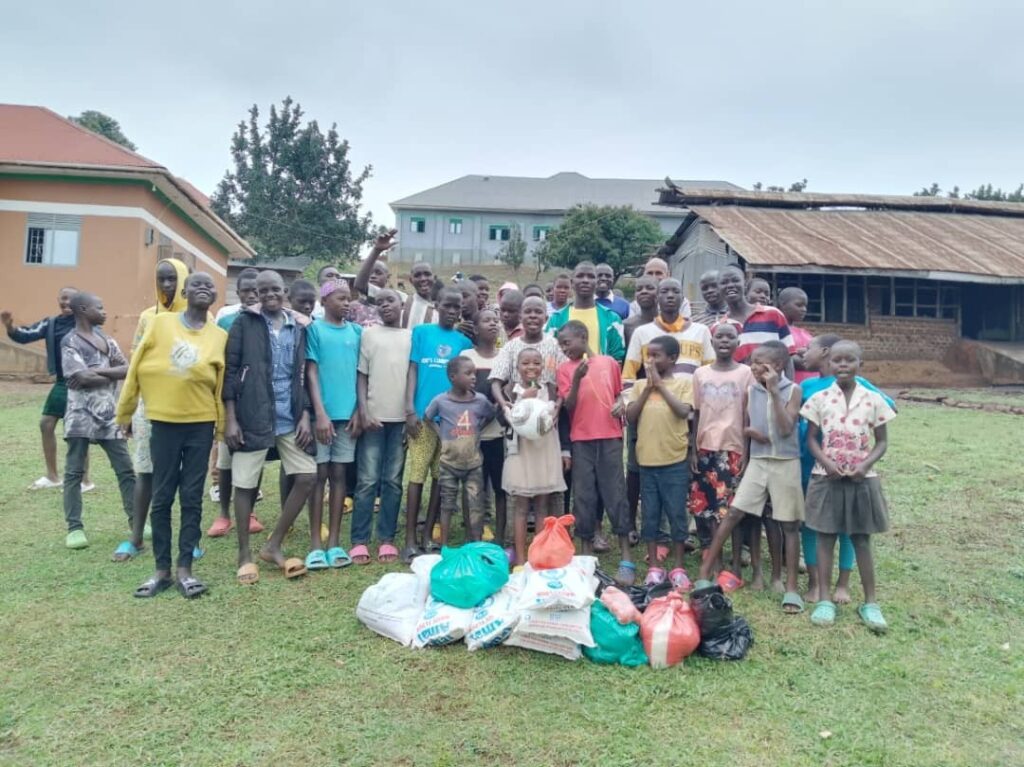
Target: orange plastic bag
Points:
x,y
620,605
552,547
669,630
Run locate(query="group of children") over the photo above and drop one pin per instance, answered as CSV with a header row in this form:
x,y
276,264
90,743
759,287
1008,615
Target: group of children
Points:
x,y
734,416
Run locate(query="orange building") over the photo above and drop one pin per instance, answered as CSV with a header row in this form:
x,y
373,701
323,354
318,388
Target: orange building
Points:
x,y
77,209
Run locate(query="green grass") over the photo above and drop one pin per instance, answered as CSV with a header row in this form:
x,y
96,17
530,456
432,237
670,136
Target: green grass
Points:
x,y
1009,396
283,673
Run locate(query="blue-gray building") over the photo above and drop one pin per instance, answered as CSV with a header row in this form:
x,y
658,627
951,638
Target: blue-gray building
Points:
x,y
466,221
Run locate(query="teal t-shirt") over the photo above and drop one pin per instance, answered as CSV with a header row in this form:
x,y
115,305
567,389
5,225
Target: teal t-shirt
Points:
x,y
335,350
432,348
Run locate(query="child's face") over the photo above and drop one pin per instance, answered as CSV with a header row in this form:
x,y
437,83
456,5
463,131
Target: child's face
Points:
x,y
761,362
247,294
845,361
270,289
560,292
534,315
469,302
584,282
449,310
422,279
646,294
530,365
464,378
336,304
303,302
487,326
795,309
510,311
483,293
94,312
379,275
725,341
662,362
200,292
709,291
759,293
730,285
815,357
389,307
670,297
167,281
573,344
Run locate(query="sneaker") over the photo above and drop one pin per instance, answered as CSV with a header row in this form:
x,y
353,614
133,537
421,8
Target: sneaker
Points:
x,y
215,493
220,527
76,540
255,526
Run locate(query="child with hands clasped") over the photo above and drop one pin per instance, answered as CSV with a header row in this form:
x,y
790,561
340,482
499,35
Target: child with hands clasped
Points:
x,y
660,406
845,493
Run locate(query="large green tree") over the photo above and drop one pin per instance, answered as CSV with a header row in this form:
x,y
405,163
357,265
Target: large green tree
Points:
x,y
105,125
618,236
292,191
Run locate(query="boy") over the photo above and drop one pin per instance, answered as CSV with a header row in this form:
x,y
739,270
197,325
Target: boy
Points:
x,y
560,289
773,473
510,307
470,309
92,364
589,385
660,406
245,289
483,292
267,405
457,417
380,453
715,307
759,292
332,351
433,345
302,297
694,339
793,305
604,326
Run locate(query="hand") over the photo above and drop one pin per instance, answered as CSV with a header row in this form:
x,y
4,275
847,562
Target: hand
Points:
x,y
566,464
653,376
385,241
354,427
831,469
74,381
324,429
370,423
581,370
771,380
858,473
303,435
619,408
7,319
744,460
756,435
467,329
693,462
233,435
412,426
126,430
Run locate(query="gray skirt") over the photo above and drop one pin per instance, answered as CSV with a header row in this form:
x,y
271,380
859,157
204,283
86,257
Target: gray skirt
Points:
x,y
845,506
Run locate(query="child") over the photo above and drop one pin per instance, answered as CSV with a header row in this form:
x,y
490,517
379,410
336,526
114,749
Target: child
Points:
x,y
510,306
660,405
92,364
759,292
457,417
470,308
532,468
492,443
773,473
793,304
589,386
302,297
332,350
380,452
433,345
720,449
845,494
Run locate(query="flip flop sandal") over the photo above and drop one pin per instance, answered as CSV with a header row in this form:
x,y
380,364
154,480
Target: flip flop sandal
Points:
x,y
191,588
410,553
387,553
152,587
634,538
338,557
626,574
824,613
680,580
729,581
871,614
317,560
293,568
655,576
360,555
248,574
197,553
792,604
125,550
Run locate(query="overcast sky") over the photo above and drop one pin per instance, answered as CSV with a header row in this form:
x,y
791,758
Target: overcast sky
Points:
x,y
867,96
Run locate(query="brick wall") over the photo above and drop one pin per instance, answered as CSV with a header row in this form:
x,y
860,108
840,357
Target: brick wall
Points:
x,y
897,338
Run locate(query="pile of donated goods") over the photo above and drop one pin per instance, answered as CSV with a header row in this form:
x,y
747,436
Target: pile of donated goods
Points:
x,y
558,603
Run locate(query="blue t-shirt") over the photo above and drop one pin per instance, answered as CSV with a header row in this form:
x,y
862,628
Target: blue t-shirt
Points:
x,y
618,305
335,350
432,347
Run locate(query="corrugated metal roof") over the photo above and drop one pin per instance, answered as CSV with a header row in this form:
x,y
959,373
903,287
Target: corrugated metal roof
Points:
x,y
557,193
878,240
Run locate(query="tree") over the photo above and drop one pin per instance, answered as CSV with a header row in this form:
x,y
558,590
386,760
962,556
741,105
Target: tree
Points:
x,y
618,236
292,191
983,192
541,258
104,125
796,186
513,252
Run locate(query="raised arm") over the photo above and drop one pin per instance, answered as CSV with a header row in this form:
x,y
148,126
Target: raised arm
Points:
x,y
381,244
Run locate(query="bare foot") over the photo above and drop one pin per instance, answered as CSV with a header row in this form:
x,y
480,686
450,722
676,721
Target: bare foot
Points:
x,y
841,596
757,582
812,594
272,555
778,586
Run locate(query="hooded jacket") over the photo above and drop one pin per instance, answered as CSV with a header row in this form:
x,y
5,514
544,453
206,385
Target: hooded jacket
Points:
x,y
178,303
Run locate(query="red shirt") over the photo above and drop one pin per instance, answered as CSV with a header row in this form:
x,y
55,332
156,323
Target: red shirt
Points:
x,y
592,417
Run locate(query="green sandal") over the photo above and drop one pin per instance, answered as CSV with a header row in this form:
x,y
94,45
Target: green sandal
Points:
x,y
871,614
824,613
792,604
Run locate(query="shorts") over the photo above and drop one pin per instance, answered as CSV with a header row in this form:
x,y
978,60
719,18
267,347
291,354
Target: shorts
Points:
x,y
844,506
424,455
246,466
450,481
631,438
142,462
57,400
777,479
224,460
342,448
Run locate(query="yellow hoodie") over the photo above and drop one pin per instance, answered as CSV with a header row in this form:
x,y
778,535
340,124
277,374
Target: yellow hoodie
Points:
x,y
178,304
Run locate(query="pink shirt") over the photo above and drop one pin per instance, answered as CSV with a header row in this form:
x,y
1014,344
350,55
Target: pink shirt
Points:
x,y
592,417
802,339
721,398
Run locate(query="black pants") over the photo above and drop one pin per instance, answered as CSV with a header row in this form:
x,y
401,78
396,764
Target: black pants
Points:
x,y
598,479
180,452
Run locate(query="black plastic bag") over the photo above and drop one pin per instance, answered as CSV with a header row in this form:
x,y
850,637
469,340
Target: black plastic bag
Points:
x,y
712,608
639,595
730,642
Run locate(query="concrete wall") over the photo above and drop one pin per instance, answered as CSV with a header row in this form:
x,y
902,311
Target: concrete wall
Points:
x,y
22,360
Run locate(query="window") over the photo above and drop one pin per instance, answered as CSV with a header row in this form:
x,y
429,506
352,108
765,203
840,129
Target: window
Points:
x,y
830,298
417,224
455,226
906,297
52,240
499,233
540,233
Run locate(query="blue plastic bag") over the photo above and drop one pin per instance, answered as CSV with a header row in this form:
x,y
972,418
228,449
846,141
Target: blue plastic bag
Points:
x,y
466,576
615,643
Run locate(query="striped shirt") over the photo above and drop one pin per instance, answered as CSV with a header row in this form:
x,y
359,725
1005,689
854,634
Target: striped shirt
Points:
x,y
765,324
695,348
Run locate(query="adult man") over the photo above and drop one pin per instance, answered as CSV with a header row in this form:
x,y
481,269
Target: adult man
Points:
x,y
604,327
715,308
658,269
605,297
417,308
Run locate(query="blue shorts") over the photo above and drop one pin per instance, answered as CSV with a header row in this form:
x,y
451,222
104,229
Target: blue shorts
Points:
x,y
342,448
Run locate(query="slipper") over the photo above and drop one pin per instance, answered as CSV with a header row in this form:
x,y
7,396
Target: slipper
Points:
x,y
293,568
316,560
76,540
88,487
729,581
197,553
824,613
45,483
871,614
410,553
248,574
125,550
221,526
626,574
655,576
338,557
191,587
792,604
255,526
702,584
360,554
680,580
387,553
152,587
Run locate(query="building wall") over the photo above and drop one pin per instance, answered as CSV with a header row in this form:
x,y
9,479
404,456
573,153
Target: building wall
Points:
x,y
897,338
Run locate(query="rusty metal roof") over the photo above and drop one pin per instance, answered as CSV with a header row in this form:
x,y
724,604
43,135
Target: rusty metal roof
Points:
x,y
987,245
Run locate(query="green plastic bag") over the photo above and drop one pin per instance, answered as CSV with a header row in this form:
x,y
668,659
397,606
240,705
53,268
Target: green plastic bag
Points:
x,y
466,576
615,643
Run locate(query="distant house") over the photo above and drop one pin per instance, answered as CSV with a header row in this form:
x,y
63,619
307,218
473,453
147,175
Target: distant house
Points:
x,y
907,277
466,221
290,269
77,209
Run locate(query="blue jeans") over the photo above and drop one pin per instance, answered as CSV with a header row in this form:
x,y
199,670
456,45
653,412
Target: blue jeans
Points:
x,y
380,461
665,490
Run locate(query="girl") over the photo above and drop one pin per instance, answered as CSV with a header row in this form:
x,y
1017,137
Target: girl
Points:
x,y
533,468
719,452
845,493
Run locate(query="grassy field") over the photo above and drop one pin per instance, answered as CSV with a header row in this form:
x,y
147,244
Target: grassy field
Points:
x,y
283,673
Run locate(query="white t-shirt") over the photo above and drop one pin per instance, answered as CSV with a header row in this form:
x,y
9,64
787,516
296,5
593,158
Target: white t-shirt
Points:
x,y
384,360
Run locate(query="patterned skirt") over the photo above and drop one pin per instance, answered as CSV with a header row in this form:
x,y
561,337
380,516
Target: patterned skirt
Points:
x,y
714,483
